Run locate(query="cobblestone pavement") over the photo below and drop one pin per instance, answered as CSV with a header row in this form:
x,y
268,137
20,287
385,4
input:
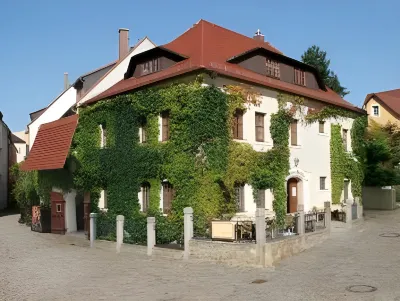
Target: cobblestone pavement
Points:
x,y
36,266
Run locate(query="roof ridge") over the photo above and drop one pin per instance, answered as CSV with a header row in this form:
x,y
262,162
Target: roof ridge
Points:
x,y
398,89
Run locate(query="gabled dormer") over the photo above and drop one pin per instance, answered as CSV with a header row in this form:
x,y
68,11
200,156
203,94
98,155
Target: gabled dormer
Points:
x,y
278,66
151,61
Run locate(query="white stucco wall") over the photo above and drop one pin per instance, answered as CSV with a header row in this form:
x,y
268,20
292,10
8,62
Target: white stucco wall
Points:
x,y
117,73
21,151
3,165
54,112
313,149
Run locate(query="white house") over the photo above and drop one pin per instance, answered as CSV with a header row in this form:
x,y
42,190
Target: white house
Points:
x,y
19,140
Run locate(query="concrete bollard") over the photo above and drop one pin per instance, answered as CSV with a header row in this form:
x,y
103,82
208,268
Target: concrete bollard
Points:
x,y
300,222
151,234
348,208
327,206
120,232
188,229
260,236
93,228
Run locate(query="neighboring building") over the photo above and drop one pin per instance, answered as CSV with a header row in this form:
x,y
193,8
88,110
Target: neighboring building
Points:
x,y
235,59
19,140
7,159
231,59
383,107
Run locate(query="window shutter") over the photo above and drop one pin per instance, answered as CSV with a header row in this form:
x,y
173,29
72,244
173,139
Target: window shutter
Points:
x,y
166,202
235,127
165,126
293,132
240,125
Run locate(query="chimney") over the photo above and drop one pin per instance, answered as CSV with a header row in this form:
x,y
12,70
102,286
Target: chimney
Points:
x,y
66,83
258,36
123,42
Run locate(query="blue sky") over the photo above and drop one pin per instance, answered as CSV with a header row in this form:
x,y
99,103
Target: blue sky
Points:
x,y
42,39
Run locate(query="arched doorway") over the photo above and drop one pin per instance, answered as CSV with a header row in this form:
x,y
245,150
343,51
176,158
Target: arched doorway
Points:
x,y
292,195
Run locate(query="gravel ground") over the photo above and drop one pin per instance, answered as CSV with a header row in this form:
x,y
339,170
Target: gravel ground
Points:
x,y
36,266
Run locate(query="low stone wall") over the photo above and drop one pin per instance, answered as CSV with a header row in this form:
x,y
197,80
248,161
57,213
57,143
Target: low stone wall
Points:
x,y
244,254
378,198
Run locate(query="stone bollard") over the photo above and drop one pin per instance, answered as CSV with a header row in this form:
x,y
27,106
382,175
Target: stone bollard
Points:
x,y
151,234
327,206
93,228
120,232
260,236
188,229
348,208
300,222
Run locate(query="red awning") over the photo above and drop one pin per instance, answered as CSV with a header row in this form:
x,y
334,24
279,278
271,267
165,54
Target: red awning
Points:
x,y
51,146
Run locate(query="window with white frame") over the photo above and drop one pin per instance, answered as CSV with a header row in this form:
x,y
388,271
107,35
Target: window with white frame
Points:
x,y
103,136
375,110
322,183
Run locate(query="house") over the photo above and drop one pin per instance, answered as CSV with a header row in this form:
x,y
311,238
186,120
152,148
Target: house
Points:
x,y
61,113
222,58
383,107
7,158
19,140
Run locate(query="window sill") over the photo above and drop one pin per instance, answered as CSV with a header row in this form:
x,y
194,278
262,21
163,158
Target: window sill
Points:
x,y
323,190
323,134
240,140
295,146
103,209
265,143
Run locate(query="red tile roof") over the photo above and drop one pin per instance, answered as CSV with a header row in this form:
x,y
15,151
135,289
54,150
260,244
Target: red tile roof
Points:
x,y
209,46
391,99
51,146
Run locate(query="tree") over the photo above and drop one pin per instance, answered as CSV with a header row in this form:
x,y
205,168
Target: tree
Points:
x,y
316,57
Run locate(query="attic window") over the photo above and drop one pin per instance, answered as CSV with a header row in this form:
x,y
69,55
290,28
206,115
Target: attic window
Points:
x,y
273,68
150,66
299,77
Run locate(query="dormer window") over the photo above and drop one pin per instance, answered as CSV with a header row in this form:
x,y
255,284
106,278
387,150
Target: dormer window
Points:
x,y
150,67
273,68
299,77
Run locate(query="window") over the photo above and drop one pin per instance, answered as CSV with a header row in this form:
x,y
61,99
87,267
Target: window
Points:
x,y
165,126
103,199
375,110
168,196
293,132
145,196
322,183
299,77
344,138
142,131
322,126
150,66
273,68
260,198
103,136
58,207
237,125
239,197
260,127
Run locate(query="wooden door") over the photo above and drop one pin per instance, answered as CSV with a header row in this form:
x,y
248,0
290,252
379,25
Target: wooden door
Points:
x,y
57,213
292,195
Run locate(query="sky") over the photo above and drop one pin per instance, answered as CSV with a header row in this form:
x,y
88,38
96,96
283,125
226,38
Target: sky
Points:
x,y
42,39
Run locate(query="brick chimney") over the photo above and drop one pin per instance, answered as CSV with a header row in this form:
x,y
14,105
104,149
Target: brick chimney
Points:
x,y
123,42
258,36
66,82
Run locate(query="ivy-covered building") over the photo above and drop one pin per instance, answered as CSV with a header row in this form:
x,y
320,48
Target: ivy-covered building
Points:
x,y
220,122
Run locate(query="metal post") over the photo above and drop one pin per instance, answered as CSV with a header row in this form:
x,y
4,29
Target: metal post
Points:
x,y
151,234
120,231
188,229
327,206
260,235
93,227
300,220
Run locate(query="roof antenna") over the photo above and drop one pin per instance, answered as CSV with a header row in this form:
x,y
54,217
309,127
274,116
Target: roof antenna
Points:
x,y
258,36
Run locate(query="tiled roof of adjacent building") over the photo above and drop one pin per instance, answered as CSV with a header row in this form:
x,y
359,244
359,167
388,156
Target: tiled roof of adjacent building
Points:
x,y
389,98
209,47
51,145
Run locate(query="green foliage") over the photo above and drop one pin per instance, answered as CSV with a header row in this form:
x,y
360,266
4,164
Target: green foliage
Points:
x,y
316,57
330,112
25,188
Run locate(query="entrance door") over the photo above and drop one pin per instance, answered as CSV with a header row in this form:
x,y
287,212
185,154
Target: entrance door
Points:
x,y
292,195
80,226
57,213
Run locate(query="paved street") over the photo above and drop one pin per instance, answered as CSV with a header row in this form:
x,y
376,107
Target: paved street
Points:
x,y
37,266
